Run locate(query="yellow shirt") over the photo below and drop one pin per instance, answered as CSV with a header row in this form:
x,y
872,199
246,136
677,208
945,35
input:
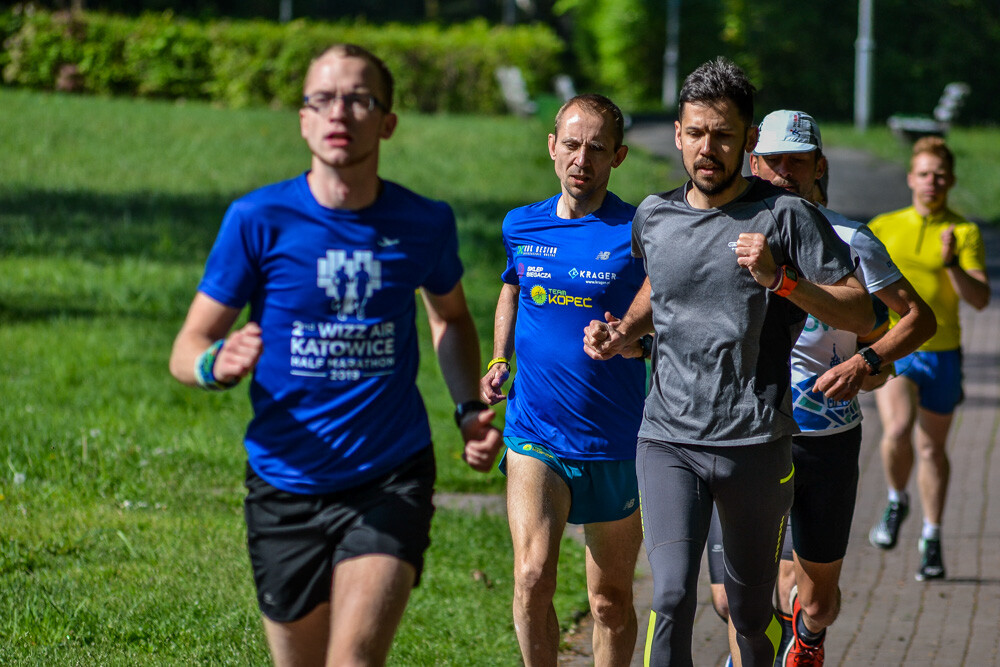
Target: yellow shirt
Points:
x,y
914,243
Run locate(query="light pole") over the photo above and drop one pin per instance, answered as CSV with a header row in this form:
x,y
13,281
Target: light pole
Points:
x,y
863,50
671,54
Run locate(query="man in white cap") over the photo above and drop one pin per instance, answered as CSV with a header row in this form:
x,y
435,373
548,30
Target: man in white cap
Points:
x,y
829,367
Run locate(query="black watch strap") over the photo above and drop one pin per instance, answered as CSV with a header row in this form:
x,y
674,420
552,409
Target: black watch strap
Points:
x,y
647,346
872,359
468,407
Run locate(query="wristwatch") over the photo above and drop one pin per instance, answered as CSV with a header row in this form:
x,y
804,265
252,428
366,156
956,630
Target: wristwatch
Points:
x,y
646,342
787,280
466,408
872,359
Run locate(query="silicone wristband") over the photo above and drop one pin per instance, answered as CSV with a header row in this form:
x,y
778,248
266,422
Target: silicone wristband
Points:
x,y
495,361
204,369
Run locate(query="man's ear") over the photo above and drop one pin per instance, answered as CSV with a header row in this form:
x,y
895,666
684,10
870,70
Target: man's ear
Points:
x,y
389,125
619,156
752,136
753,164
821,167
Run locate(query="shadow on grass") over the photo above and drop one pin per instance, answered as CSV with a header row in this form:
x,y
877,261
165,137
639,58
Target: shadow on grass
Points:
x,y
140,231
162,226
100,226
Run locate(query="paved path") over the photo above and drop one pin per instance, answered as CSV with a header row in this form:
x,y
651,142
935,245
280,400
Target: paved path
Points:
x,y
887,618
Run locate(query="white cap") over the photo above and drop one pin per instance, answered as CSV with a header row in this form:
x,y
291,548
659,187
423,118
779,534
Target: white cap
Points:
x,y
788,132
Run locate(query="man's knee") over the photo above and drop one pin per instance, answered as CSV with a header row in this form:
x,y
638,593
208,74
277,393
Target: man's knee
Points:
x,y
751,610
720,601
612,607
533,582
933,453
823,608
897,433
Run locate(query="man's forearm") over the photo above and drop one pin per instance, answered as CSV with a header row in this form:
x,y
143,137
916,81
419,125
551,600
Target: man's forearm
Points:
x,y
505,321
638,321
458,356
845,305
916,322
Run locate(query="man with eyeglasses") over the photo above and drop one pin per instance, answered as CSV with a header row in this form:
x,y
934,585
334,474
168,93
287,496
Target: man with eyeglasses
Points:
x,y
340,464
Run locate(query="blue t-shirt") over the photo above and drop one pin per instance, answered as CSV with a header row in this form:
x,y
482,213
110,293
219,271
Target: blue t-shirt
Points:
x,y
570,272
334,395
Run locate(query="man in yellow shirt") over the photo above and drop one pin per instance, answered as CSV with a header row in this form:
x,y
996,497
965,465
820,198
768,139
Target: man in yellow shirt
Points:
x,y
942,255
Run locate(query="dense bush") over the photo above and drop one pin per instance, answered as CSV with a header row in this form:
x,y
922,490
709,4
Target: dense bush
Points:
x,y
244,63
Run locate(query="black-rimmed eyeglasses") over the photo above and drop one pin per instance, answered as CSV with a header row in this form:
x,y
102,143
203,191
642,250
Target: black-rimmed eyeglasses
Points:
x,y
354,103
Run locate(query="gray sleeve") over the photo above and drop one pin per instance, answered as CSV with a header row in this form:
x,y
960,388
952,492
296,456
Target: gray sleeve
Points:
x,y
814,247
877,266
638,222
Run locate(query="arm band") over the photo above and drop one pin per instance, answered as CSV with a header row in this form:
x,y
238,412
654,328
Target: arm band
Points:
x,y
495,361
204,367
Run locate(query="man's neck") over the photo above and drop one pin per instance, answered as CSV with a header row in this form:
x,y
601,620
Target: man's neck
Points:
x,y
570,208
925,211
352,188
698,199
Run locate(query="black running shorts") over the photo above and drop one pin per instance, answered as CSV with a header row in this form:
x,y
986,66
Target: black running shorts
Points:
x,y
296,540
826,486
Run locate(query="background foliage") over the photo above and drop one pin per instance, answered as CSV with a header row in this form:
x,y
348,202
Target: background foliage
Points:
x,y
245,63
446,52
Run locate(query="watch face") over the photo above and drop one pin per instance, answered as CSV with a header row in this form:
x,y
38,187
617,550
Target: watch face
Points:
x,y
791,273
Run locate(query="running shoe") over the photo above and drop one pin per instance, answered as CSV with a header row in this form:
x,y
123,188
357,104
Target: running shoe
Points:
x,y
786,636
798,653
885,533
931,563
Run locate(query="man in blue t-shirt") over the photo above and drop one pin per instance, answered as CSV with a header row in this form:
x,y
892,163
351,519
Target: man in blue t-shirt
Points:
x,y
340,465
571,421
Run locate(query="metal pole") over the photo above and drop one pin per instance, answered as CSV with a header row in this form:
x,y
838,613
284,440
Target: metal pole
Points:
x,y
509,12
864,49
671,54
285,11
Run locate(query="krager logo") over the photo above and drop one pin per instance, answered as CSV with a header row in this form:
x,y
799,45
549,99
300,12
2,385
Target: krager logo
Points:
x,y
593,277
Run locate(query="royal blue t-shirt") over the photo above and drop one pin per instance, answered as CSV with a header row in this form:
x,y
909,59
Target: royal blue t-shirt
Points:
x,y
334,395
570,272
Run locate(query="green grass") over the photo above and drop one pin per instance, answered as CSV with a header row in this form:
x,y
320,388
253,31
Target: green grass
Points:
x,y
121,532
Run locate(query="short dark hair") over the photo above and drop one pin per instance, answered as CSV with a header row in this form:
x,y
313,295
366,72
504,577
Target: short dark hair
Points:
x,y
602,106
717,80
354,51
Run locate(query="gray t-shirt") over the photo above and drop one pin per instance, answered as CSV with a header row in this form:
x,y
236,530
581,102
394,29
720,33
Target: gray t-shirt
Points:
x,y
721,362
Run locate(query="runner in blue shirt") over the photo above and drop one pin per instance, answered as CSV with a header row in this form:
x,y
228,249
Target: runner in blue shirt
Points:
x,y
340,465
571,421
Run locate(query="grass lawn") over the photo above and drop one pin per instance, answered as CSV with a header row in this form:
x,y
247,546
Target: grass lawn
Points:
x,y
121,534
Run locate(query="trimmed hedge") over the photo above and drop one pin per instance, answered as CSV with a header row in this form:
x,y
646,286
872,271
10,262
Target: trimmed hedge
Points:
x,y
247,63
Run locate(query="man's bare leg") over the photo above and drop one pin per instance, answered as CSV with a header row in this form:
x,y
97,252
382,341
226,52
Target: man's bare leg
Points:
x,y
612,549
538,503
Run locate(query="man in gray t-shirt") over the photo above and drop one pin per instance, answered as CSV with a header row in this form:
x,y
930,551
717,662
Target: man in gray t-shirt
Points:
x,y
733,266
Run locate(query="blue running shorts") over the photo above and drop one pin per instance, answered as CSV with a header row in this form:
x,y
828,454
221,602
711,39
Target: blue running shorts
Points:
x,y
600,490
938,376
